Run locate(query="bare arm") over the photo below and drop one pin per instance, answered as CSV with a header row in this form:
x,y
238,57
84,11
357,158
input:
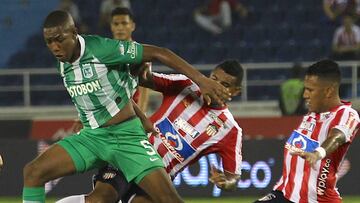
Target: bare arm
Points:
x,y
334,141
210,89
143,98
147,124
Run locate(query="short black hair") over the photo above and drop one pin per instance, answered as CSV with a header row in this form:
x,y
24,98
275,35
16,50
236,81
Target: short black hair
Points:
x,y
122,11
325,69
233,68
58,18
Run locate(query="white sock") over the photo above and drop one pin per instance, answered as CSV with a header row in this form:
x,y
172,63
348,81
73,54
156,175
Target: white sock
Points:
x,y
73,199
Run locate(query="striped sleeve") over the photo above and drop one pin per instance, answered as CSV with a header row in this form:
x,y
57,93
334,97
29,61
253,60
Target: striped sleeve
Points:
x,y
230,152
349,123
170,84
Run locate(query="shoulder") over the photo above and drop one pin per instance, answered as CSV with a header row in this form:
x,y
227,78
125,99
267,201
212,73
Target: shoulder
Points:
x,y
347,110
234,124
96,40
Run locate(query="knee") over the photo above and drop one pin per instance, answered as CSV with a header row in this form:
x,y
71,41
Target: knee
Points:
x,y
32,174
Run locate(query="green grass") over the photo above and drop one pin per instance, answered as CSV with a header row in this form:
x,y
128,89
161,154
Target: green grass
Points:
x,y
347,199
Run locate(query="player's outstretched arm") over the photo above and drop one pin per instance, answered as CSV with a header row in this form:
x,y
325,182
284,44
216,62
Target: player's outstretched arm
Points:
x,y
210,89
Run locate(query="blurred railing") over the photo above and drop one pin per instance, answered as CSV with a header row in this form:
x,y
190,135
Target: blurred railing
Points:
x,y
26,78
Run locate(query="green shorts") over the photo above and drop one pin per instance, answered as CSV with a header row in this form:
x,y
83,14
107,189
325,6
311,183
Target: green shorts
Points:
x,y
124,146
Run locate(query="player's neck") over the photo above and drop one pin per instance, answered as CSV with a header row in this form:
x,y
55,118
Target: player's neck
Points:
x,y
76,53
333,104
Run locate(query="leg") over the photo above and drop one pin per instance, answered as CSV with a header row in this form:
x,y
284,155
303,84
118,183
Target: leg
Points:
x,y
55,162
158,186
109,186
102,193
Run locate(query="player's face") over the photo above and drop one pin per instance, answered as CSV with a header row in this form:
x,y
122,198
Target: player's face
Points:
x,y
315,94
61,43
226,80
122,27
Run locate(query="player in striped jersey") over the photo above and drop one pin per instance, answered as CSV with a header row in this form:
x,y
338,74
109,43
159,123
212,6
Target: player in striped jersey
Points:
x,y
315,149
95,73
188,129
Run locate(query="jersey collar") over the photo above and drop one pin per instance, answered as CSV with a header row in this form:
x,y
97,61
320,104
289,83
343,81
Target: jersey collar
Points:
x,y
82,49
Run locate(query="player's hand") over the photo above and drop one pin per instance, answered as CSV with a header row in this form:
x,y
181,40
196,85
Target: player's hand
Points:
x,y
149,126
218,178
77,126
310,157
213,91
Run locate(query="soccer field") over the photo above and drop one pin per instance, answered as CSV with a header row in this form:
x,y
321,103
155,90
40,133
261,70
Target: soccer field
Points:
x,y
347,199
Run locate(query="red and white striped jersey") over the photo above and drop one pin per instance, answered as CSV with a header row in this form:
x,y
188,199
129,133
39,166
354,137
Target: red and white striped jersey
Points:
x,y
190,129
299,181
347,39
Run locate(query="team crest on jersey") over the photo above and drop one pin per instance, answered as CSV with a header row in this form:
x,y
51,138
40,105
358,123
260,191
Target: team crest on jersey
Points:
x,y
211,130
298,142
171,138
87,71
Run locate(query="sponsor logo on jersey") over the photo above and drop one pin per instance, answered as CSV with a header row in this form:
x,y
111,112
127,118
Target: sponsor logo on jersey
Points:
x,y
182,124
321,186
308,125
85,88
87,71
299,142
132,50
171,138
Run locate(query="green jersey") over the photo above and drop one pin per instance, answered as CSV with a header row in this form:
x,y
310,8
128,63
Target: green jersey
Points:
x,y
99,81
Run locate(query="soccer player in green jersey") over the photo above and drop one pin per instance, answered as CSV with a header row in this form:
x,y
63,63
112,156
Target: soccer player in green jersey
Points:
x,y
95,73
122,26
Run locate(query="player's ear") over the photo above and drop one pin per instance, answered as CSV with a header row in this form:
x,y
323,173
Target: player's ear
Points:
x,y
133,27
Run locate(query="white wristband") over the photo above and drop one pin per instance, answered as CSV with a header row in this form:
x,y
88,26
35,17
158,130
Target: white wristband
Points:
x,y
321,151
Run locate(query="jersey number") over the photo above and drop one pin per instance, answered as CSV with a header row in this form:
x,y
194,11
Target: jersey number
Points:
x,y
146,144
